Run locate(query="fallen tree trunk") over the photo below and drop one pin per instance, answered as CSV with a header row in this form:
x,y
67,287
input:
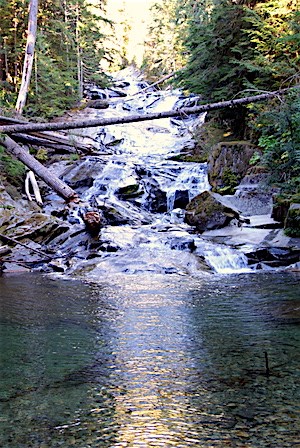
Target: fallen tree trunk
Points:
x,y
10,129
51,179
57,141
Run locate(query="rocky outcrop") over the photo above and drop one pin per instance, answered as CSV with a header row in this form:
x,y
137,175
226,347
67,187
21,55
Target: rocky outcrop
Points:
x,y
228,163
292,222
287,211
209,211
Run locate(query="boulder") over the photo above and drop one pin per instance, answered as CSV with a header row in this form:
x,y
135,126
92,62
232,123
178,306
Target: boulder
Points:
x,y
274,256
181,199
156,198
292,222
209,211
97,104
286,209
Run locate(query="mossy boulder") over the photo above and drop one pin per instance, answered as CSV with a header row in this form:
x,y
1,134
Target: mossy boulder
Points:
x,y
286,209
129,191
208,211
292,222
228,163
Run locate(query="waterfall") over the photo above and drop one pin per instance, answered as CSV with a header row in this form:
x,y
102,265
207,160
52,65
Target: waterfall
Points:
x,y
226,260
143,190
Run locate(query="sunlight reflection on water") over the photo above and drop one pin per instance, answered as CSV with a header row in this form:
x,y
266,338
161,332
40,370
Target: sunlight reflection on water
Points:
x,y
140,361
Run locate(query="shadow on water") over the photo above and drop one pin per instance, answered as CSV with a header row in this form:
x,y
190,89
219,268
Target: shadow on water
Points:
x,y
150,361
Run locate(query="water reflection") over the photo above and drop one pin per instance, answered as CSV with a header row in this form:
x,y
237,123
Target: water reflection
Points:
x,y
142,361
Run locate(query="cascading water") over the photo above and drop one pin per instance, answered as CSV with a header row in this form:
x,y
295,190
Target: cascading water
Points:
x,y
143,183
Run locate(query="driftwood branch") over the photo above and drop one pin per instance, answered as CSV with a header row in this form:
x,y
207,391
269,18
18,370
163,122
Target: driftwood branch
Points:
x,y
13,240
51,179
11,129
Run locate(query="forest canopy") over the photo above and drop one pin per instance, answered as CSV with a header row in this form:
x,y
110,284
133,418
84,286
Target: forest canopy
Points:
x,y
218,49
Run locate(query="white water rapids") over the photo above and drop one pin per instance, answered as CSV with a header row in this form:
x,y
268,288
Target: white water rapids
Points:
x,y
153,237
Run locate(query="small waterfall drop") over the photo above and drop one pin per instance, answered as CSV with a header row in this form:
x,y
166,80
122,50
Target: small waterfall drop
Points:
x,y
225,260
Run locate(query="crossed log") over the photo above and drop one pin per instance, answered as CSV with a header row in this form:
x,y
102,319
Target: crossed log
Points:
x,y
58,185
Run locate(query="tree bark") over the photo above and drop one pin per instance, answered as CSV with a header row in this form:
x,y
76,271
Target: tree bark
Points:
x,y
142,117
51,179
29,55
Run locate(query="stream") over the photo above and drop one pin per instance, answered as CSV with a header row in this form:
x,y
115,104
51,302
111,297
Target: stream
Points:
x,y
154,337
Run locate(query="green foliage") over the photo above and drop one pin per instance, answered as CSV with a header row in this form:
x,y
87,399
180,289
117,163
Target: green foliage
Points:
x,y
230,181
255,158
163,47
74,157
279,129
69,49
239,48
10,167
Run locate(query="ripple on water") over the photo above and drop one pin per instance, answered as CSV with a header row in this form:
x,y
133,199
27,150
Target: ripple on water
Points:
x,y
149,361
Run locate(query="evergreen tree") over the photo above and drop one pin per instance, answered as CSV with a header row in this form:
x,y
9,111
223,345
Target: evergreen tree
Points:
x,y
163,47
69,49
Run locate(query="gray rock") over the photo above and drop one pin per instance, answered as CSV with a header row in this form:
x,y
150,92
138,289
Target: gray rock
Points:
x,y
209,211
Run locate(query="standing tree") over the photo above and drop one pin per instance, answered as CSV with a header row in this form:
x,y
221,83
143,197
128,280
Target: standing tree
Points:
x,y
163,47
29,55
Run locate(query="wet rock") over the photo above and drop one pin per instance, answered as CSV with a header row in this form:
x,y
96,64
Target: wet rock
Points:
x,y
129,191
58,265
156,199
280,208
95,93
82,174
4,250
252,197
13,268
273,257
116,93
113,216
97,104
183,243
208,211
181,199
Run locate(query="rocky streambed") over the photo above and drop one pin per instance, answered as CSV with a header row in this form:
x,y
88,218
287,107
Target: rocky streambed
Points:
x,y
157,213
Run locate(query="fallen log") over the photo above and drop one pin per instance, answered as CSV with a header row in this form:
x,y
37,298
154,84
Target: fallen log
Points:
x,y
51,179
11,129
57,141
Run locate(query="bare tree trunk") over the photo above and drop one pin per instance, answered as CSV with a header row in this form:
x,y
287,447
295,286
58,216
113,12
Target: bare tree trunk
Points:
x,y
79,55
29,56
51,179
11,129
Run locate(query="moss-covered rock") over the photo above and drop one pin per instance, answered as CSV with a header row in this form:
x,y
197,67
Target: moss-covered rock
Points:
x,y
208,211
292,222
228,163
